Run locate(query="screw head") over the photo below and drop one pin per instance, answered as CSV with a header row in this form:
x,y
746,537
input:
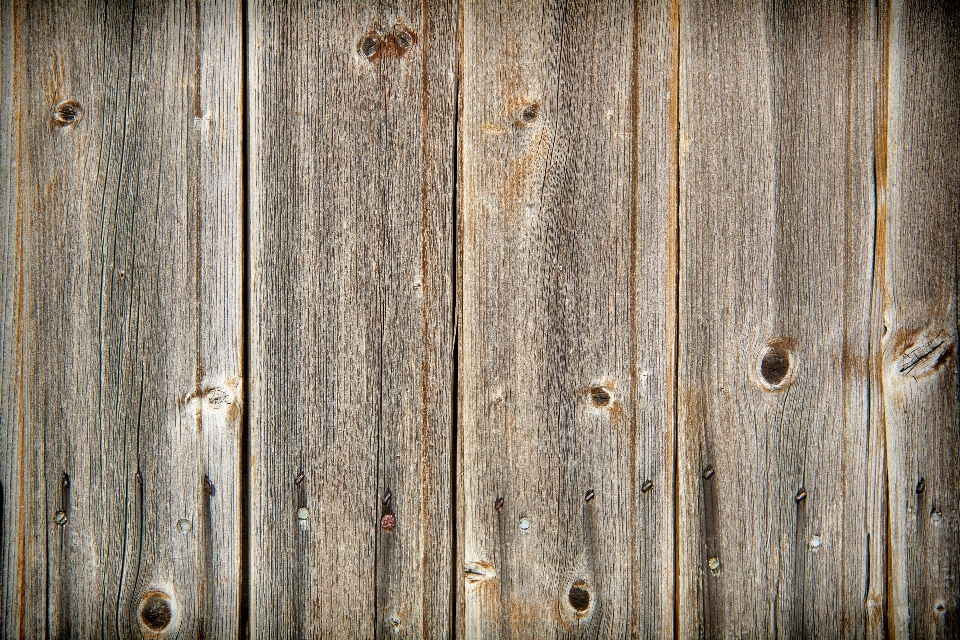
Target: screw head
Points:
x,y
60,518
524,524
303,513
184,525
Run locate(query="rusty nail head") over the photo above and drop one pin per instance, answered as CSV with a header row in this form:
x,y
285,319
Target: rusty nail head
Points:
x,y
388,522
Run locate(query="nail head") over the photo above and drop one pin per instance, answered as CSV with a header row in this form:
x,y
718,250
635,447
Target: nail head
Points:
x,y
714,564
303,513
388,522
60,517
524,524
184,525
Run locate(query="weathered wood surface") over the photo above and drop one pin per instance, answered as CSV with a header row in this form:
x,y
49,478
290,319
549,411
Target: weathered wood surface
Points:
x,y
122,341
776,232
513,292
566,316
918,248
352,149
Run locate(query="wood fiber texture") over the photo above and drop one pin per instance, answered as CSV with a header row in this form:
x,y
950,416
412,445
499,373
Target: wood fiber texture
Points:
x,y
917,254
352,151
122,335
567,319
776,239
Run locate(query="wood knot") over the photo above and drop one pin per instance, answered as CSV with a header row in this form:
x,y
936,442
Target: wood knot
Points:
x,y
528,115
156,612
369,45
579,596
775,368
67,113
477,573
600,397
377,44
403,38
924,356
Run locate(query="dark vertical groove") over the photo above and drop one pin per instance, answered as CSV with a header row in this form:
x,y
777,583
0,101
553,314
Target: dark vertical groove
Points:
x,y
455,372
244,620
675,115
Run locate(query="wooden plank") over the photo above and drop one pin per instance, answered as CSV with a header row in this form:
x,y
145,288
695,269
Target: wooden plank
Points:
x,y
352,142
122,318
920,382
567,323
777,212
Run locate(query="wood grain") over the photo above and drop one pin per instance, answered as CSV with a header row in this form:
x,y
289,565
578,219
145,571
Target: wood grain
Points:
x,y
566,315
920,380
352,139
777,216
121,317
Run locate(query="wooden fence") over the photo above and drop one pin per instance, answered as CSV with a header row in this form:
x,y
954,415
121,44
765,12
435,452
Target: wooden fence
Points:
x,y
426,319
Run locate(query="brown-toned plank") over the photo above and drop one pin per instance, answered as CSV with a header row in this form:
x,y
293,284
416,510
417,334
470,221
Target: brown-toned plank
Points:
x,y
567,324
122,317
352,149
919,345
776,210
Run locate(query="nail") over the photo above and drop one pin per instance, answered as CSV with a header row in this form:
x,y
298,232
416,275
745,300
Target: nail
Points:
x,y
498,504
815,541
708,473
207,486
298,479
524,524
303,513
801,496
388,522
184,525
60,518
138,478
386,497
921,486
646,486
714,564
589,495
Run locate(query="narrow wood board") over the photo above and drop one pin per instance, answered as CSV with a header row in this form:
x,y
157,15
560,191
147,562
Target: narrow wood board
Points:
x,y
122,337
566,315
776,236
918,248
352,149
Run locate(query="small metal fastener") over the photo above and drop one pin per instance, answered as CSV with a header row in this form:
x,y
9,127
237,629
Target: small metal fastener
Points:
x,y
138,478
303,513
184,525
388,522
815,542
801,496
708,473
60,517
386,497
921,486
524,524
498,504
589,495
298,479
936,517
207,486
714,564
646,486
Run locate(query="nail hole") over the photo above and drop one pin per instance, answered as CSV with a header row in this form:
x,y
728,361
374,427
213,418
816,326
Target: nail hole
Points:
x,y
67,112
940,606
579,597
774,366
600,397
369,45
155,611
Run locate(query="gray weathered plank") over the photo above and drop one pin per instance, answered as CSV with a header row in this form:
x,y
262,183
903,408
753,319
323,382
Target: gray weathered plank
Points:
x,y
352,148
566,316
121,317
776,210
918,252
